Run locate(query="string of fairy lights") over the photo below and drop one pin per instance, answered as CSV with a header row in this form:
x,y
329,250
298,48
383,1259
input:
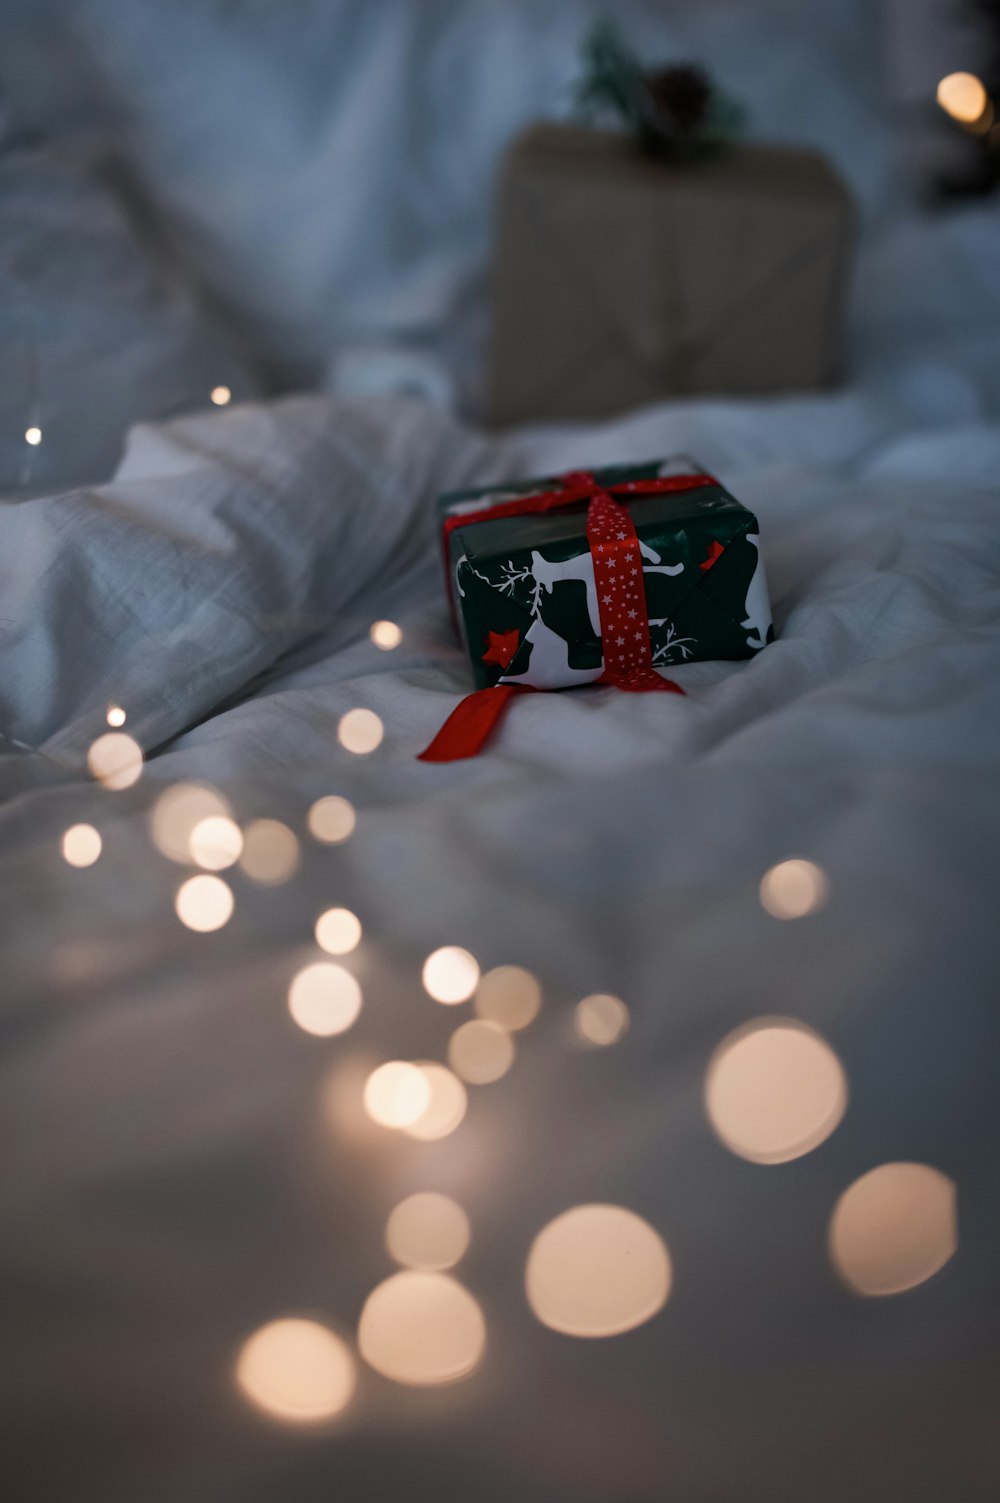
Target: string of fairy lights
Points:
x,y
774,1090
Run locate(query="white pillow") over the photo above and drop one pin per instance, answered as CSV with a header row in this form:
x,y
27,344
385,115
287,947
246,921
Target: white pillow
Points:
x,y
330,166
97,330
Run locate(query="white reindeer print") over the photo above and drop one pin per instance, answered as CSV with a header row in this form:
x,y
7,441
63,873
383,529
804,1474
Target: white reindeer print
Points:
x,y
758,605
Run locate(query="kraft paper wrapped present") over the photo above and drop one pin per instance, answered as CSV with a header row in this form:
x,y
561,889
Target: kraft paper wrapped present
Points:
x,y
621,277
612,576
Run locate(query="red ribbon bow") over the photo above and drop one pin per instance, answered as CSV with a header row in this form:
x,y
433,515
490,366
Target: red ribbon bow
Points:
x,y
621,596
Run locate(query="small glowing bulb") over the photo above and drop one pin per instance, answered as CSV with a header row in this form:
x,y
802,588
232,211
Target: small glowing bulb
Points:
x,y
331,819
324,999
297,1371
338,931
422,1328
427,1230
793,889
446,1107
450,975
480,1052
221,395
216,842
33,436
963,97
115,760
81,845
385,634
600,1020
270,852
396,1094
204,903
360,731
115,715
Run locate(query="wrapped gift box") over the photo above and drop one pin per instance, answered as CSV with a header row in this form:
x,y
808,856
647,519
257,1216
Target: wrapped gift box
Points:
x,y
527,601
621,278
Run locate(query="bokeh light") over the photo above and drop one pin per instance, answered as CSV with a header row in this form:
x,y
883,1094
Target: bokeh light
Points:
x,y
446,1106
331,819
480,1052
600,1020
360,731
204,903
33,436
385,634
509,996
774,1090
450,975
221,395
176,813
597,1270
324,999
963,97
115,760
116,715
422,1328
338,931
216,842
397,1094
270,852
427,1230
792,889
81,845
894,1228
297,1371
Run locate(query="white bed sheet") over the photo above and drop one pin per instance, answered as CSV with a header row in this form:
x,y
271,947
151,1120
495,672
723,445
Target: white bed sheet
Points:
x,y
173,1175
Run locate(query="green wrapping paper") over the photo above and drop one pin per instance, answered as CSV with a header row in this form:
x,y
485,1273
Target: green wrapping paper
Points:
x,y
524,592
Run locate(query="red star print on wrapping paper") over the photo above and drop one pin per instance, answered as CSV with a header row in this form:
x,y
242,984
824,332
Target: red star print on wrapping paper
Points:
x,y
501,647
715,552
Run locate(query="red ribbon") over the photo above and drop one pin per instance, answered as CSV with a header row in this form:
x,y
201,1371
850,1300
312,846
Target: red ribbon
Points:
x,y
621,597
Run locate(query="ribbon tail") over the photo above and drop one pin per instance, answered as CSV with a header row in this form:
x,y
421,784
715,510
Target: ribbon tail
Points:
x,y
470,724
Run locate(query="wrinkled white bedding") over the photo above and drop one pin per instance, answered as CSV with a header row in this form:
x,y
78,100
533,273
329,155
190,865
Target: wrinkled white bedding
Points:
x,y
172,1181
173,1177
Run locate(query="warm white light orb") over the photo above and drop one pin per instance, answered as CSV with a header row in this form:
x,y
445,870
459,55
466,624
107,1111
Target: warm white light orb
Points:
x,y
793,888
509,996
385,634
963,97
270,852
324,999
33,436
297,1371
427,1230
774,1090
360,731
480,1052
396,1094
894,1228
331,819
216,842
450,975
115,760
176,813
422,1329
204,903
338,931
446,1106
600,1020
81,845
221,395
116,715
597,1270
